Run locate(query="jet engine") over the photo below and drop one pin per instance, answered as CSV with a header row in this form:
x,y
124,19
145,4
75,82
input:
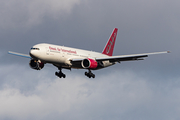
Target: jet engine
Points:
x,y
36,64
89,63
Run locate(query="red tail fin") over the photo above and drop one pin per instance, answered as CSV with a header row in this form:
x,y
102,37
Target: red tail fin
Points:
x,y
108,49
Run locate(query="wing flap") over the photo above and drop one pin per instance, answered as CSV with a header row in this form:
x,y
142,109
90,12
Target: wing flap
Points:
x,y
128,58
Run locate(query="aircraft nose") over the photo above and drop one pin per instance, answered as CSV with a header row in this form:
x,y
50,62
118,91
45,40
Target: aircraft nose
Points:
x,y
33,53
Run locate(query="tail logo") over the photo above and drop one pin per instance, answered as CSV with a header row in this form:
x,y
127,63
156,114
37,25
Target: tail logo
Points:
x,y
111,43
109,47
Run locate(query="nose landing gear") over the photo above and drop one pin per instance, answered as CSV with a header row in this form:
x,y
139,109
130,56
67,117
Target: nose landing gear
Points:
x,y
60,74
90,74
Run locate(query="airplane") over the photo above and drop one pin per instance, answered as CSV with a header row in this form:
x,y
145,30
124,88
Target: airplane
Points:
x,y
67,58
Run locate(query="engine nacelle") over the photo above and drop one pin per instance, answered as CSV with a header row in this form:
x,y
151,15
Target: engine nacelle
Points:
x,y
89,63
36,64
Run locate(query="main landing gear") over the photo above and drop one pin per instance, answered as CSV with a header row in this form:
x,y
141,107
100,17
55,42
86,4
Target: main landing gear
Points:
x,y
90,74
60,74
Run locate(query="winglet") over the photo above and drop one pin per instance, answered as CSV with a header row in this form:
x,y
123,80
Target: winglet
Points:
x,y
108,49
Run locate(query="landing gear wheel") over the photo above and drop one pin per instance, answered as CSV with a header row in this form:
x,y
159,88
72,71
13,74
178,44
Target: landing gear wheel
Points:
x,y
86,73
89,74
56,73
64,76
60,74
93,76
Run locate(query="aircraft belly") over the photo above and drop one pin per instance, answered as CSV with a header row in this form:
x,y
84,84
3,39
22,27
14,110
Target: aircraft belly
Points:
x,y
107,63
77,66
53,58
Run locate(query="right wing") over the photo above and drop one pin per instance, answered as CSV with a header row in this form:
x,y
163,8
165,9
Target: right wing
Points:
x,y
19,54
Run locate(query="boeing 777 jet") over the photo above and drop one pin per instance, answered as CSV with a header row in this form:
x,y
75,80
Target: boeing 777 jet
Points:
x,y
66,57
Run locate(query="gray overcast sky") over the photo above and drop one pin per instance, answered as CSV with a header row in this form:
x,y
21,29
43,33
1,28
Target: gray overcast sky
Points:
x,y
142,90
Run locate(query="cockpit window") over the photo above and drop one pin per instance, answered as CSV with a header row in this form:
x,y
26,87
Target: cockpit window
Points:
x,y
34,48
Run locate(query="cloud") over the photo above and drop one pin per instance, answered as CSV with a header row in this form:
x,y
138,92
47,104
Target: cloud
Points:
x,y
116,95
23,13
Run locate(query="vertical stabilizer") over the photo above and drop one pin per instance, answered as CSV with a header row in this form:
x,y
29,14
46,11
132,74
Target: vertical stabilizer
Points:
x,y
108,49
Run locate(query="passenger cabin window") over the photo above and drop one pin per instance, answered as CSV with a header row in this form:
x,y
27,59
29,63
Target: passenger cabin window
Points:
x,y
34,48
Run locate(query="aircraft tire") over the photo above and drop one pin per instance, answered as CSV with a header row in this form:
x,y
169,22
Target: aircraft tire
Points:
x,y
60,75
89,74
55,73
86,73
93,76
64,76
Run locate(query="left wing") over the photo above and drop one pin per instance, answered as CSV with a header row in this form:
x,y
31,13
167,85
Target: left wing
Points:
x,y
19,54
129,57
123,57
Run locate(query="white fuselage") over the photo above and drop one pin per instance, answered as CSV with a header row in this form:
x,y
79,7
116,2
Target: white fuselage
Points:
x,y
61,56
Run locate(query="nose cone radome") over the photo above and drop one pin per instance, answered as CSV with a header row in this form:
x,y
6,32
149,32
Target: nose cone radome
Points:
x,y
33,54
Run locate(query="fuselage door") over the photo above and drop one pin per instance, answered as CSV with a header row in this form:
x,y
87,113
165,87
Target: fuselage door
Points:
x,y
47,51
